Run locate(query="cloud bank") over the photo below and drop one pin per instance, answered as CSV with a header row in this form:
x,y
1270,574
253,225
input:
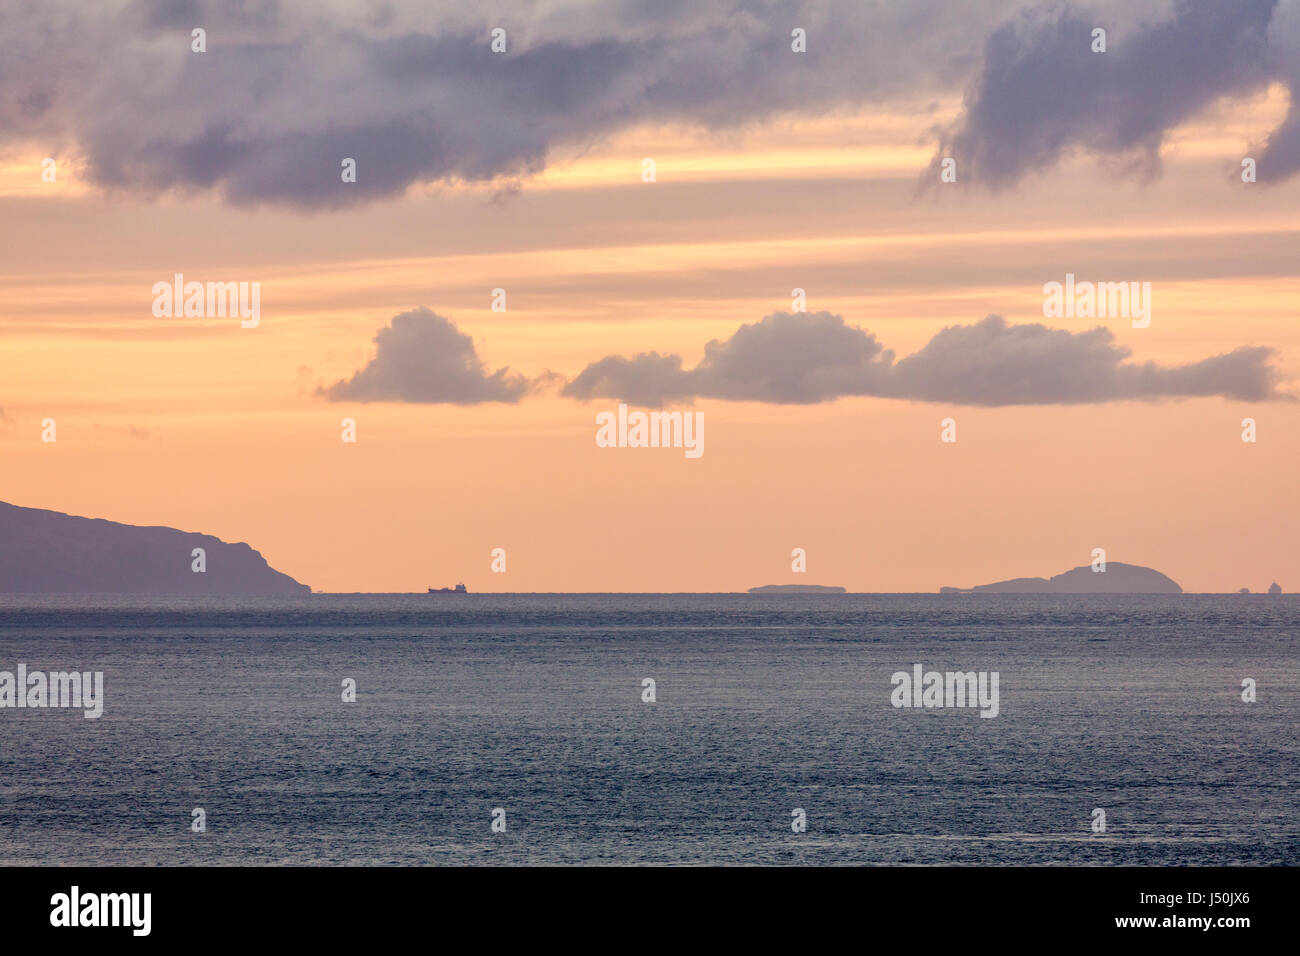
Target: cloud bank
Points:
x,y
422,357
1042,92
413,92
804,358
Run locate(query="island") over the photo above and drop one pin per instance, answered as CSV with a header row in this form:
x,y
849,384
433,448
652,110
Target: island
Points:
x,y
49,552
1118,578
797,589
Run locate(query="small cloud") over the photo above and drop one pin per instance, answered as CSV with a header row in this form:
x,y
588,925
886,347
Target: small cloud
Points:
x,y
647,379
803,358
422,357
507,192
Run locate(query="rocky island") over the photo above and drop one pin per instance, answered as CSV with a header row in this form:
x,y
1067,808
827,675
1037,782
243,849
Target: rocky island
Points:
x,y
1118,578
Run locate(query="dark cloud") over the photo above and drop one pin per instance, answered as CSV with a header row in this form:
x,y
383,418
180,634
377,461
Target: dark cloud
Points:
x,y
1042,93
802,358
423,357
413,93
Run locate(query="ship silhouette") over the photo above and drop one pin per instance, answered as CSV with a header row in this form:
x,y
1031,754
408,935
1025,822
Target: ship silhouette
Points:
x,y
458,589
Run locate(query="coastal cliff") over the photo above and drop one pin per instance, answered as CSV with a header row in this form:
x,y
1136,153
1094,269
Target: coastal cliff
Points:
x,y
49,552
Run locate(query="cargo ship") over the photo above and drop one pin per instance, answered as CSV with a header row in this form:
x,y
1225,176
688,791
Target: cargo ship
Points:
x,y
458,589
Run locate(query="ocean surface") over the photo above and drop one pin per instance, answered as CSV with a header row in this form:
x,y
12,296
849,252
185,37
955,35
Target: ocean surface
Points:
x,y
533,704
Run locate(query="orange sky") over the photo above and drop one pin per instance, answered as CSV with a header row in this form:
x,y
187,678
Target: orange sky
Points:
x,y
204,426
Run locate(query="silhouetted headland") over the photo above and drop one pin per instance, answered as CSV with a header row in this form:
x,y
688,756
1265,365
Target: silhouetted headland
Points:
x,y
48,552
1118,578
796,589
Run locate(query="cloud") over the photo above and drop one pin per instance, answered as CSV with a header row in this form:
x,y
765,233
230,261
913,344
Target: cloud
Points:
x,y
423,357
993,363
411,90
789,358
647,379
413,93
1042,93
803,358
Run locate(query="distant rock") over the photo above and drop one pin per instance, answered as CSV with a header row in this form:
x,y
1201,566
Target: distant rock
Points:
x,y
1274,588
1118,578
796,589
48,552
1244,591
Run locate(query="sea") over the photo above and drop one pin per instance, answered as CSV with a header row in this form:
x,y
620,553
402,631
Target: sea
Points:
x,y
509,729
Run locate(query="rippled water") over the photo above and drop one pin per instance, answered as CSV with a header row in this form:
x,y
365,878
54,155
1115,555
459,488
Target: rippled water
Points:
x,y
532,703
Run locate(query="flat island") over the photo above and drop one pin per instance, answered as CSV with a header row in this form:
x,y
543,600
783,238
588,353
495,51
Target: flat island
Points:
x,y
797,589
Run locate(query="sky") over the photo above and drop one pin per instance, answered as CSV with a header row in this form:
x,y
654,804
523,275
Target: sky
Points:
x,y
774,170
